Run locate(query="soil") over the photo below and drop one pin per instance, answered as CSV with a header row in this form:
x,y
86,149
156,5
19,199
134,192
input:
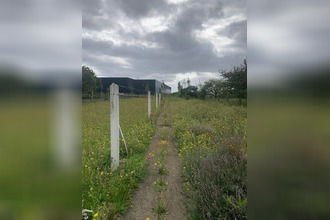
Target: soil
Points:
x,y
146,197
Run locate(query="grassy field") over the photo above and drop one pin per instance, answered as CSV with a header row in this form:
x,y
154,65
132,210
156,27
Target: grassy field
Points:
x,y
212,137
33,185
103,191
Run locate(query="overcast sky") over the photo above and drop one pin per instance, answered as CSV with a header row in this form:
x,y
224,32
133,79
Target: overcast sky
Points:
x,y
163,39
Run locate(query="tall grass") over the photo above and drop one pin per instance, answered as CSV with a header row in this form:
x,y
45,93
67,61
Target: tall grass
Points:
x,y
105,192
211,138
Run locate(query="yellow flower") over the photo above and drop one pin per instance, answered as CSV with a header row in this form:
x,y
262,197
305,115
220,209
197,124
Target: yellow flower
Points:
x,y
147,218
155,164
91,189
102,173
155,183
96,214
132,172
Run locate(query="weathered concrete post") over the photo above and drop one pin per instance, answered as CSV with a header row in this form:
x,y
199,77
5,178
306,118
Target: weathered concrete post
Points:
x,y
156,99
149,104
114,125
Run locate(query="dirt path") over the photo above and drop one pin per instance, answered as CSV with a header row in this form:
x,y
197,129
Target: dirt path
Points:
x,y
173,194
146,197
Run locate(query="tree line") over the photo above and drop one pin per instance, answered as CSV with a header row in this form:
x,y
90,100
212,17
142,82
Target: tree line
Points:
x,y
232,84
90,83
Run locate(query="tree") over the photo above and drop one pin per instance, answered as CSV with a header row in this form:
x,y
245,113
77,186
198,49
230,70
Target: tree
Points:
x,y
235,81
179,88
189,92
89,80
214,88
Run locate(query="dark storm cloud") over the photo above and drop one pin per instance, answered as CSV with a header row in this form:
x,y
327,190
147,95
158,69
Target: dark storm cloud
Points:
x,y
237,31
142,8
118,40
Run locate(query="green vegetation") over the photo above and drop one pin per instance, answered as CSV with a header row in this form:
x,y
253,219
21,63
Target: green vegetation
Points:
x,y
34,184
90,83
211,137
233,84
160,209
101,188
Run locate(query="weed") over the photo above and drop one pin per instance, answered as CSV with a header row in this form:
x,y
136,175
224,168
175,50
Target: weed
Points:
x,y
163,134
100,186
160,209
211,138
160,185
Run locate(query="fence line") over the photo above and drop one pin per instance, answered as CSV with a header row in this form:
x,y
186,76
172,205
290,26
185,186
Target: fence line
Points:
x,y
105,96
115,130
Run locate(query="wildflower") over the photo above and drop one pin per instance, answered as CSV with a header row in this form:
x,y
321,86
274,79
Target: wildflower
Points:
x,y
149,157
91,189
155,164
132,172
147,218
155,183
102,173
96,214
122,171
155,168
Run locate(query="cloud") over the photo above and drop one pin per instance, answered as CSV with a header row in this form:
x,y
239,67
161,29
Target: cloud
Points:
x,y
165,40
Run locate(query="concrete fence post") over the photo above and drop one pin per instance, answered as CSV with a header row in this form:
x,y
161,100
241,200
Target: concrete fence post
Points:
x,y
156,99
114,125
149,104
160,97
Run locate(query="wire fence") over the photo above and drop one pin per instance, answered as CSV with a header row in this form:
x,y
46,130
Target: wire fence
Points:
x,y
100,96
